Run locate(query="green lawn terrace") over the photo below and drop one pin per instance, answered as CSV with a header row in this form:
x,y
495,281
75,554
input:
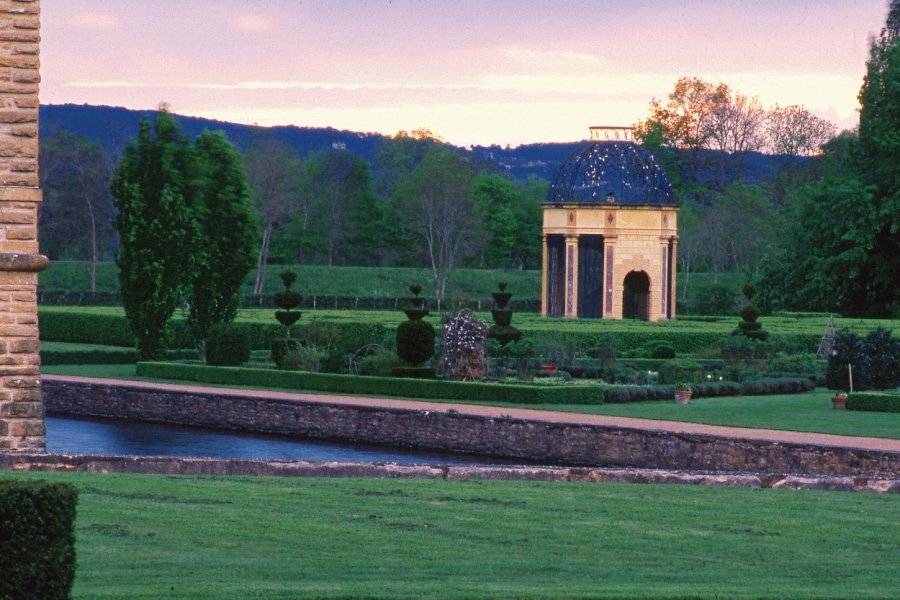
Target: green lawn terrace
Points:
x,y
156,536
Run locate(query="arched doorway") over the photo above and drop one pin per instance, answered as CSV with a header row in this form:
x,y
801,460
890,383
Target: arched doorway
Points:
x,y
636,296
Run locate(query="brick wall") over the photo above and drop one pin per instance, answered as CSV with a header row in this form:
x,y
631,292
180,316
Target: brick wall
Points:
x,y
21,409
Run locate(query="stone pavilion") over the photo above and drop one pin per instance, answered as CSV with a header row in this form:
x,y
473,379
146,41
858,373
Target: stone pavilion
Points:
x,y
610,234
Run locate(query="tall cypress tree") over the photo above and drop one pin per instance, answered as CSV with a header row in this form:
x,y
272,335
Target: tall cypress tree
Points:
x,y
226,245
153,189
879,124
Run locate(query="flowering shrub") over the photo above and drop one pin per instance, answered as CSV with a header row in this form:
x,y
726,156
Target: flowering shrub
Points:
x,y
463,347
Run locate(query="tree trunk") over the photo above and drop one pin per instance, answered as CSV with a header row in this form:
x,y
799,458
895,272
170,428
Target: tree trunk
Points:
x,y
260,284
93,219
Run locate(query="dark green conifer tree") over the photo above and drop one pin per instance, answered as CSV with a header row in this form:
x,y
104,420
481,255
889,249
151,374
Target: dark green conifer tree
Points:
x,y
225,248
153,189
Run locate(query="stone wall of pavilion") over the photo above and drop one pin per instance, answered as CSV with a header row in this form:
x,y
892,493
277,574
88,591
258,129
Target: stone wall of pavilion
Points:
x,y
21,406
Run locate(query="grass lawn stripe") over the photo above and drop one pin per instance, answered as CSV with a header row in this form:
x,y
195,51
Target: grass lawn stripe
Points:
x,y
142,536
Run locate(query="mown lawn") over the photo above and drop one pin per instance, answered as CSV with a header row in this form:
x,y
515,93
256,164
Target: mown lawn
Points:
x,y
796,412
154,536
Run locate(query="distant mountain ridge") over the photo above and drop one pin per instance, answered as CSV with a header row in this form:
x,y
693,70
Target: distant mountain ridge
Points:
x,y
113,127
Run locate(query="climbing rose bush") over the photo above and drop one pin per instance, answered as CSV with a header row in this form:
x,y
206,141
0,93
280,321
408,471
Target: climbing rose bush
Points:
x,y
463,347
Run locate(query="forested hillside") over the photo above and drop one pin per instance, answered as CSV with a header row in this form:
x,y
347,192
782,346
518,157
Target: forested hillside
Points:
x,y
771,195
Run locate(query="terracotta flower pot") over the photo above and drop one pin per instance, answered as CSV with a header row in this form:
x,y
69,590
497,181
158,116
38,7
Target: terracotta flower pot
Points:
x,y
839,401
682,396
550,369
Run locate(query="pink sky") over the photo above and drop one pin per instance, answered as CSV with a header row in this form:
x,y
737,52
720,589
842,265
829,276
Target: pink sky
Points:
x,y
472,71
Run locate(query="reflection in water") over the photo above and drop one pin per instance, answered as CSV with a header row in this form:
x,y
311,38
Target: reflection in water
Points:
x,y
69,435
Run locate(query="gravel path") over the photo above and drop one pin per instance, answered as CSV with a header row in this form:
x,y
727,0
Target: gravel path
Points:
x,y
891,445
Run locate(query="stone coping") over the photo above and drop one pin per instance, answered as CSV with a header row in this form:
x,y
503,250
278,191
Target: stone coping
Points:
x,y
240,467
25,263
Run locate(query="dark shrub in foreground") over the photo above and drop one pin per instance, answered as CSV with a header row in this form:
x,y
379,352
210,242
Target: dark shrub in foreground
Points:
x,y
37,539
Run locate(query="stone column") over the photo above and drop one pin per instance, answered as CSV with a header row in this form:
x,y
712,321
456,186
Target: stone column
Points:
x,y
545,265
571,308
610,304
21,406
672,280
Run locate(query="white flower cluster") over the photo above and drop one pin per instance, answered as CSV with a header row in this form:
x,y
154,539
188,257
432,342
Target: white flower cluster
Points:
x,y
465,332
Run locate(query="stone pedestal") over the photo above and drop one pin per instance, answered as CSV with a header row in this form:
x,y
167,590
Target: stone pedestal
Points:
x,y
21,406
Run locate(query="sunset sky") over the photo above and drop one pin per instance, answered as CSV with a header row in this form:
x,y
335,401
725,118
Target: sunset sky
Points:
x,y
472,71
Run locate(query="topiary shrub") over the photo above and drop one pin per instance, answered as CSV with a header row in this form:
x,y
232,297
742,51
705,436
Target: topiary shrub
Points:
x,y
748,325
227,346
37,539
415,337
287,300
415,341
502,330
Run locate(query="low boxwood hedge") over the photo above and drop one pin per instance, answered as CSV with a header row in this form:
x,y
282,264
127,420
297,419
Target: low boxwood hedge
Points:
x,y
386,386
117,356
874,401
37,539
760,387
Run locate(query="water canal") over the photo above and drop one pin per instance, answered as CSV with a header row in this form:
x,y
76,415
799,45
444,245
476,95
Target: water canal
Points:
x,y
69,435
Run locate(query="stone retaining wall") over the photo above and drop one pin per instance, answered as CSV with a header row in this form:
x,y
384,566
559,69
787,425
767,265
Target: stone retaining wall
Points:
x,y
557,443
300,468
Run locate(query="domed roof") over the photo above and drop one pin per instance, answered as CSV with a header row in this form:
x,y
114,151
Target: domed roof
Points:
x,y
607,172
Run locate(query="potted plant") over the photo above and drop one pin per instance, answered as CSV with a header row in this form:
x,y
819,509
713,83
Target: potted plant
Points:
x,y
839,400
682,393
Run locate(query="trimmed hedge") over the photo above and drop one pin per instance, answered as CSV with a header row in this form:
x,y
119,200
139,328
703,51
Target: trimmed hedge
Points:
x,y
874,401
113,356
117,356
114,330
759,387
386,386
37,539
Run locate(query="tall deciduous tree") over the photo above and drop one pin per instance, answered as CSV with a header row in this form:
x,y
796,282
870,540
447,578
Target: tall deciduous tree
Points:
x,y
734,128
225,248
684,122
77,210
154,187
438,209
274,171
793,131
348,217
